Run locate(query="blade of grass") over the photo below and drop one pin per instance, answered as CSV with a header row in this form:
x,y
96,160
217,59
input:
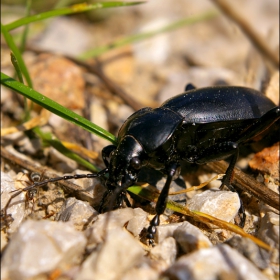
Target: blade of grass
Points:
x,y
16,66
26,28
78,8
199,216
55,108
195,188
208,219
49,139
17,54
19,75
145,35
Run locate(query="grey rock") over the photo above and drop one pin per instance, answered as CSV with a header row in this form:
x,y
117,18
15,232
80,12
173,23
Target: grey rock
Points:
x,y
250,250
110,221
78,212
39,247
143,272
223,205
92,190
191,238
138,222
119,253
155,49
165,252
165,231
219,262
17,205
269,233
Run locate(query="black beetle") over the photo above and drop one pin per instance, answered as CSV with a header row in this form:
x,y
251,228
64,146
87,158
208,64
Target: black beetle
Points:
x,y
198,126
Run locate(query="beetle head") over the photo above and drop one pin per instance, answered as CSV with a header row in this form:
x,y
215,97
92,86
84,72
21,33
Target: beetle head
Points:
x,y
125,162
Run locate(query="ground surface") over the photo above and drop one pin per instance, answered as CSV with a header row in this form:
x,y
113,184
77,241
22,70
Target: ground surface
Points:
x,y
59,225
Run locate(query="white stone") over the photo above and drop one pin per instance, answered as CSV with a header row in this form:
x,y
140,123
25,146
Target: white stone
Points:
x,y
107,221
223,205
39,247
78,212
166,251
191,238
119,253
164,231
138,222
219,262
17,205
269,233
143,272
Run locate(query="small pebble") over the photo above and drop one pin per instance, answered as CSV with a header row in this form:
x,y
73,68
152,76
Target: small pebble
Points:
x,y
39,247
119,253
166,251
269,233
112,220
250,250
138,222
219,262
191,238
165,231
223,205
78,212
17,205
92,190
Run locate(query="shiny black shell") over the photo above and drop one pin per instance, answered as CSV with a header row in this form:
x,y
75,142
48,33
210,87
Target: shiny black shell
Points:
x,y
215,104
187,125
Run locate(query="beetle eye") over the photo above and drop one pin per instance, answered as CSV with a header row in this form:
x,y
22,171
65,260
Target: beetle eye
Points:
x,y
135,162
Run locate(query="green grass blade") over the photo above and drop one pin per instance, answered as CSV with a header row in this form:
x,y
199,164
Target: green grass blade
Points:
x,y
145,35
55,108
78,8
51,141
199,216
17,68
20,78
26,28
48,138
17,54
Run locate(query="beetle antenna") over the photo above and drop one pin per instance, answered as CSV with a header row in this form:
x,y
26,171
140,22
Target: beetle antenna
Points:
x,y
38,184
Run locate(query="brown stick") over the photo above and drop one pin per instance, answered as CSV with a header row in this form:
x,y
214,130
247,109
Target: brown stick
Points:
x,y
248,30
246,183
74,189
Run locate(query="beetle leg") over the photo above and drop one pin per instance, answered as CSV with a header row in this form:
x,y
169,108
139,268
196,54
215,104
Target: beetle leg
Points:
x,y
229,172
161,202
227,182
189,87
222,150
121,199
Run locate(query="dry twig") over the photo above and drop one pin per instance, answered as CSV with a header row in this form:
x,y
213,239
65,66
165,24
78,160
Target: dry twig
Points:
x,y
231,12
247,183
